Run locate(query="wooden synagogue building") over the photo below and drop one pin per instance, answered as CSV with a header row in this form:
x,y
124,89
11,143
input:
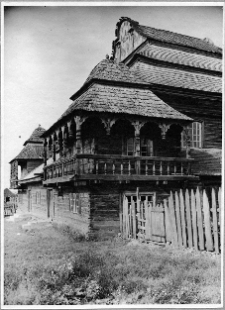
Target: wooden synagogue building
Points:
x,y
146,121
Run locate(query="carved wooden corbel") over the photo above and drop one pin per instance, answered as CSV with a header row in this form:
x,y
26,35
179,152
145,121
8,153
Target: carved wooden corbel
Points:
x,y
164,128
79,121
137,126
108,123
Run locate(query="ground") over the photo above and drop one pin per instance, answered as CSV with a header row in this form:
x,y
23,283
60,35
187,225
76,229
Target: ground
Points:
x,y
50,264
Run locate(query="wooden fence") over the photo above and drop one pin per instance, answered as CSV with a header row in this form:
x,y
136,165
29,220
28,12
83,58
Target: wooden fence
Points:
x,y
9,208
185,219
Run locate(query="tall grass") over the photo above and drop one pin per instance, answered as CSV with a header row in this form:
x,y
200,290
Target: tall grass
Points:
x,y
46,266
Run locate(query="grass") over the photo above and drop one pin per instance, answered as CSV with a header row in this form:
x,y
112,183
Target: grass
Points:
x,y
51,265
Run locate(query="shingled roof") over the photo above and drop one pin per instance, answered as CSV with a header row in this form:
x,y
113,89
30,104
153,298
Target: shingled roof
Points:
x,y
109,70
180,57
8,193
127,100
177,78
36,136
170,37
30,152
208,161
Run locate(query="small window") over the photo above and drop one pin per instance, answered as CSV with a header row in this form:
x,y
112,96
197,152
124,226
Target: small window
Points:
x,y
195,133
146,147
130,146
7,199
75,203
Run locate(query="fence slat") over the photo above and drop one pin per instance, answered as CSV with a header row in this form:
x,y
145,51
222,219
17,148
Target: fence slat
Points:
x,y
188,212
215,222
172,219
134,219
184,235
179,236
199,220
124,217
208,233
194,220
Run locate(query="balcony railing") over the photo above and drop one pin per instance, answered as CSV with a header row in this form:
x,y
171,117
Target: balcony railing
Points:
x,y
119,165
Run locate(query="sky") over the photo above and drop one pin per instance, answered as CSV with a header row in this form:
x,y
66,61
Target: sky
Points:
x,y
49,51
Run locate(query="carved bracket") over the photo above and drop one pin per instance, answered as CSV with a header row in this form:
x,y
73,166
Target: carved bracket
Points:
x,y
79,121
164,128
108,124
137,126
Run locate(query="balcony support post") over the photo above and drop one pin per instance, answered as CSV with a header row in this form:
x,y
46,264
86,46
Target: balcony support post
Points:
x,y
164,128
187,140
137,143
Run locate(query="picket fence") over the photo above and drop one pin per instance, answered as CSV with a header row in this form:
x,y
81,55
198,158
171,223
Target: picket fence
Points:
x,y
9,208
185,219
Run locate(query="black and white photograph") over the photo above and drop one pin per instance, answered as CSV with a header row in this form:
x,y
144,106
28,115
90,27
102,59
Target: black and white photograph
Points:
x,y
112,134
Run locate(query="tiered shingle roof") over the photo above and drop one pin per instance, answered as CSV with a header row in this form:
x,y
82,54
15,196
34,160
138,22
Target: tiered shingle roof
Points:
x,y
171,37
117,99
177,78
36,136
180,57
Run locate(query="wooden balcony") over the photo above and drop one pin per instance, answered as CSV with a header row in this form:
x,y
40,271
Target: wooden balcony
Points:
x,y
118,167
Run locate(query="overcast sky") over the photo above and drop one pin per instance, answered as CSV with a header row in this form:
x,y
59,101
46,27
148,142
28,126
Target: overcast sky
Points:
x,y
50,51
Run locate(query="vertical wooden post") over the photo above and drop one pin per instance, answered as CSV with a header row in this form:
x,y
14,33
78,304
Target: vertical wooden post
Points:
x,y
167,221
173,220
199,220
134,219
215,222
194,220
184,235
177,204
138,215
188,212
208,233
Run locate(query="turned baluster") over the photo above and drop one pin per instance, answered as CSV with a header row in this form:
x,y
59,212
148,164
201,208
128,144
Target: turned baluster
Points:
x,y
181,169
153,168
105,168
168,167
121,168
96,167
175,168
113,168
129,168
160,168
146,167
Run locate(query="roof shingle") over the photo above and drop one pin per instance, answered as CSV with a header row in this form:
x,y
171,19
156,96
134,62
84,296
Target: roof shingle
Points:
x,y
30,151
177,78
180,57
117,99
171,37
36,136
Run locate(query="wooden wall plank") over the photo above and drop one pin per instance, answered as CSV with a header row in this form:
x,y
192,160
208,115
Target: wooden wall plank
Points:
x,y
178,219
215,222
207,221
183,222
194,220
188,213
199,220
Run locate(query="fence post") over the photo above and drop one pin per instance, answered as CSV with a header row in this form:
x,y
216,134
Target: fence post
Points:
x,y
172,217
199,220
179,237
138,215
134,219
194,222
215,222
184,235
168,222
208,234
188,212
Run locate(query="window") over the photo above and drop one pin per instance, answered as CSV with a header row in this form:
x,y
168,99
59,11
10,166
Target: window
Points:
x,y
74,203
130,146
195,133
146,147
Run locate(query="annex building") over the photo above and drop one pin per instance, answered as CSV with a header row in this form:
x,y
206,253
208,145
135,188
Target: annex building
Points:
x,y
146,121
